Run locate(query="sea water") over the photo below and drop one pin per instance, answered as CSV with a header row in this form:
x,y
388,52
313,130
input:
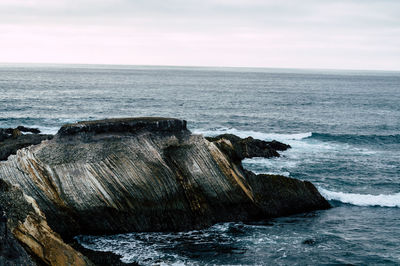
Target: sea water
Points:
x,y
343,126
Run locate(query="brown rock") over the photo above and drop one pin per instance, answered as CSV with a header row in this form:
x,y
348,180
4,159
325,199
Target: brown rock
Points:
x,y
16,133
29,226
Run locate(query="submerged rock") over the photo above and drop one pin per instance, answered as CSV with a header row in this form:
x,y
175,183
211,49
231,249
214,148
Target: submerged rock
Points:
x,y
150,174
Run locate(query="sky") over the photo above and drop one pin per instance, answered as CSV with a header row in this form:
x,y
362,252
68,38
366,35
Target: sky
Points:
x,y
341,34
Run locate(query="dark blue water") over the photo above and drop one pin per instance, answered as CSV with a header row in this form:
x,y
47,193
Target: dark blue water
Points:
x,y
343,126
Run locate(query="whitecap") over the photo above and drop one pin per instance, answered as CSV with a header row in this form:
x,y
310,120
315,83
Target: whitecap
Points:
x,y
391,200
48,130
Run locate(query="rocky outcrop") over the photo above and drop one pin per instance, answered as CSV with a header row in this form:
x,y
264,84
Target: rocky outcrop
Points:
x,y
239,148
122,125
13,139
139,175
275,195
143,174
22,220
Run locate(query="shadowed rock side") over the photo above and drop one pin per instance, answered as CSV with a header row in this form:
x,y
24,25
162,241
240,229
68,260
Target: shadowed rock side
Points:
x,y
13,139
11,252
150,174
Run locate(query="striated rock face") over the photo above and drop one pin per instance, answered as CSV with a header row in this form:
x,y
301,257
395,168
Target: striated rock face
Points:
x,y
23,218
150,174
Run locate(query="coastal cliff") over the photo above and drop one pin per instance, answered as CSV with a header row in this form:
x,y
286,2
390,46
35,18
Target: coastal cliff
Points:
x,y
148,174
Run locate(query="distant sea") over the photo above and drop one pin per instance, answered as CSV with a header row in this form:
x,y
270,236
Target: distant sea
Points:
x,y
343,126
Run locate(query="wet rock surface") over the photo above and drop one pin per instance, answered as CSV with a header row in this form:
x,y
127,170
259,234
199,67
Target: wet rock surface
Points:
x,y
101,258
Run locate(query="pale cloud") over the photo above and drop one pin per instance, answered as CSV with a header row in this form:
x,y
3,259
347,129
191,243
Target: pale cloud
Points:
x,y
311,33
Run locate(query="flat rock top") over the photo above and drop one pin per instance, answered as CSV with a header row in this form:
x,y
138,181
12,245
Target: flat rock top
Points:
x,y
123,125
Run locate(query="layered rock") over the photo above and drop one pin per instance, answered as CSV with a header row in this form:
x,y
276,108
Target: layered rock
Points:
x,y
22,220
147,174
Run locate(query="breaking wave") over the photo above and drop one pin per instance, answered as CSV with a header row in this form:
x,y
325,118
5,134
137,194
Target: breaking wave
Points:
x,y
382,200
254,134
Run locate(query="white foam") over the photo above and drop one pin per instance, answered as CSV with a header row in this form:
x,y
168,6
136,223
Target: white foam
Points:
x,y
49,130
391,200
287,174
271,166
254,134
300,142
44,129
270,162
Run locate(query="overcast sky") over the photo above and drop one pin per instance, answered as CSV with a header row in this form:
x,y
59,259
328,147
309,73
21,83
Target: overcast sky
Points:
x,y
342,34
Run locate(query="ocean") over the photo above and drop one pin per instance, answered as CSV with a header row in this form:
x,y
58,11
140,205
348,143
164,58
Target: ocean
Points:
x,y
343,126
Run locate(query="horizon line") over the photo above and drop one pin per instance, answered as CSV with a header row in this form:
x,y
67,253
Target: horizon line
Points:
x,y
196,66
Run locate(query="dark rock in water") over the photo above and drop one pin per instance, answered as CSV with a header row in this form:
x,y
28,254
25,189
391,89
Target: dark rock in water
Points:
x,y
310,242
279,146
8,132
28,129
236,229
101,258
12,139
150,174
285,195
248,147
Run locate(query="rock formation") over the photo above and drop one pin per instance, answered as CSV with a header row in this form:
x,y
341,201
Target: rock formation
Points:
x,y
12,139
148,174
28,225
249,147
11,252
